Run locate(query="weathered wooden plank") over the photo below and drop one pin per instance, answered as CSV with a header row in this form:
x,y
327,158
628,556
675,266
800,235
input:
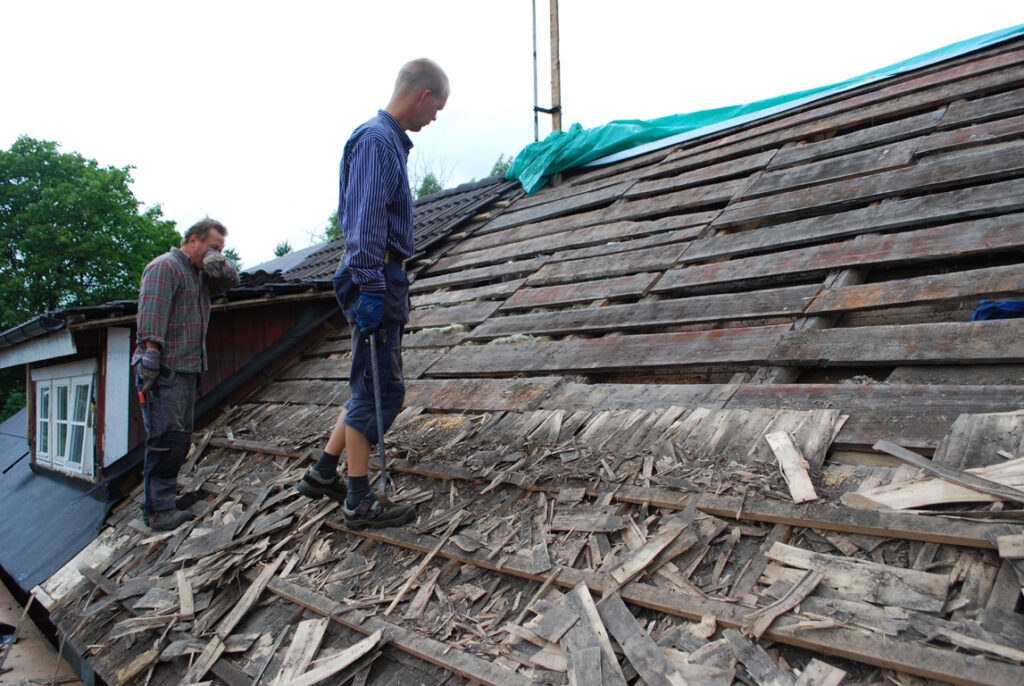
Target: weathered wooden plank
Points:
x,y
442,337
877,583
303,648
617,247
769,302
615,264
994,283
981,342
558,207
464,664
978,440
482,394
688,199
758,663
463,295
468,314
972,136
589,632
466,277
968,112
889,132
657,180
644,351
640,649
936,208
979,237
633,285
794,466
599,234
952,169
339,661
413,363
871,161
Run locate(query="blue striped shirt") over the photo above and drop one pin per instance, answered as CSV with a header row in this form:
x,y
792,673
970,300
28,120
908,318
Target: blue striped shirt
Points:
x,y
374,201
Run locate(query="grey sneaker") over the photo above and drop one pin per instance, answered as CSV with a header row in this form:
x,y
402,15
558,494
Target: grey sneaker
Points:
x,y
168,520
316,485
369,512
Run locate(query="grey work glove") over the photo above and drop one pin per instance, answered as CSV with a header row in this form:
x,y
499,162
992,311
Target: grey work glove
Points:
x,y
215,264
148,368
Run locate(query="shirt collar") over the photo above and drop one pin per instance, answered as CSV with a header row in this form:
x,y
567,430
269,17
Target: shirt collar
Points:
x,y
183,256
397,128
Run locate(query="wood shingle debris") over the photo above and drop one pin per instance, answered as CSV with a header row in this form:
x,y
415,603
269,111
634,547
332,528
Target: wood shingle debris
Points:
x,y
714,414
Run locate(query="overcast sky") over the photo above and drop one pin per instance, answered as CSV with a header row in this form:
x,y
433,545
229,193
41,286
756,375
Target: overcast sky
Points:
x,y
239,110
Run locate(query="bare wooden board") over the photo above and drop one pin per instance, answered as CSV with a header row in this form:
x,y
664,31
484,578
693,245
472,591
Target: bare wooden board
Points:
x,y
917,212
979,440
987,342
632,285
468,314
772,302
933,173
996,283
640,649
615,264
480,275
462,295
657,180
740,345
986,236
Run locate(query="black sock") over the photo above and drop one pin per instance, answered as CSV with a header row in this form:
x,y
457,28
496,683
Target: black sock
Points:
x,y
358,486
327,465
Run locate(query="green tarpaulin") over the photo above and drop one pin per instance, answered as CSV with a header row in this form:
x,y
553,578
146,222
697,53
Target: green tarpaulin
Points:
x,y
567,149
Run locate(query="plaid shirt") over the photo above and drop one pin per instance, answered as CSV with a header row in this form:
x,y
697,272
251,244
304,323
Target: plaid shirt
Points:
x,y
174,312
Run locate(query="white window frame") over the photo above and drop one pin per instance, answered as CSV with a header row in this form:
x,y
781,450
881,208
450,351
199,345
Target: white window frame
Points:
x,y
48,383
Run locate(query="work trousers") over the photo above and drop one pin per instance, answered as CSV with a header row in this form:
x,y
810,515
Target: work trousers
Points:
x,y
169,417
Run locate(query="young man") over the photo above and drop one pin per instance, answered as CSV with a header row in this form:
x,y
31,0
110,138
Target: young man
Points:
x,y
173,315
375,212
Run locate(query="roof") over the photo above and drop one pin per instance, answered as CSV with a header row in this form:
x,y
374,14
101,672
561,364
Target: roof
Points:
x,y
679,415
47,519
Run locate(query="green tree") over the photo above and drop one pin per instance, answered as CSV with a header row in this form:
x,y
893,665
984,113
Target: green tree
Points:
x,y
234,259
429,186
334,227
501,165
282,249
71,232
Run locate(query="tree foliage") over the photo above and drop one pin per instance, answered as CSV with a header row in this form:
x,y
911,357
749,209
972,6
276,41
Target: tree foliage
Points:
x,y
236,261
71,232
429,186
501,165
334,227
282,249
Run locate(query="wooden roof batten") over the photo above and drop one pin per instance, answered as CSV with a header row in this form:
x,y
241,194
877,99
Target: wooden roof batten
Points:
x,y
659,416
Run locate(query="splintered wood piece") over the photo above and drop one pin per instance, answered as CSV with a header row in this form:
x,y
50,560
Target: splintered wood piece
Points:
x,y
422,597
972,643
956,476
426,561
601,519
760,666
336,663
639,559
699,674
135,667
640,649
550,657
757,622
304,646
818,673
215,647
539,558
587,633
871,581
1011,547
554,620
795,468
187,610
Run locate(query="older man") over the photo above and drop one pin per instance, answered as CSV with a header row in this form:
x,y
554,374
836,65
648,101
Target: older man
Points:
x,y
173,316
375,212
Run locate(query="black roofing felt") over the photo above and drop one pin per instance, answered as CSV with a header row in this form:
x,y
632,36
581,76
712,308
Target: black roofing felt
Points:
x,y
45,520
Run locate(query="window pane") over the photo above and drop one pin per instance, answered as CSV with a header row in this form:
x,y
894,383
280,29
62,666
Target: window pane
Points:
x,y
62,403
81,402
77,438
61,440
43,437
44,402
